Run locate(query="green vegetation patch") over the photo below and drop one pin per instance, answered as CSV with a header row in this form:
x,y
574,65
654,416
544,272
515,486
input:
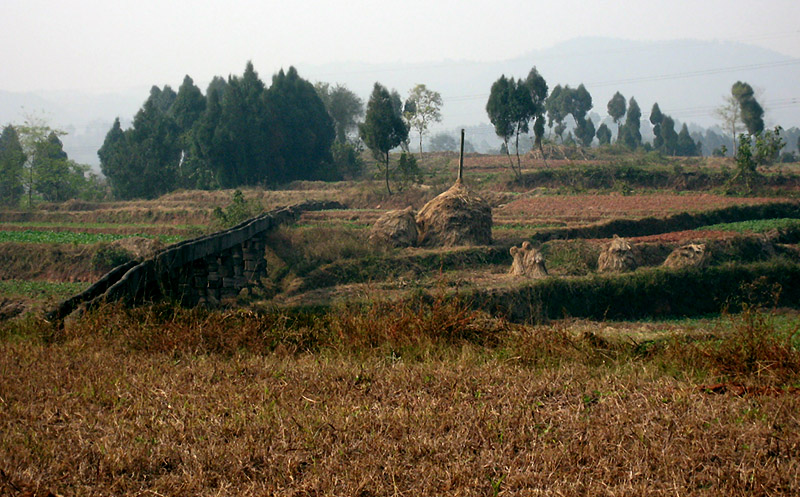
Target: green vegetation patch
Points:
x,y
676,222
37,236
41,289
103,226
754,226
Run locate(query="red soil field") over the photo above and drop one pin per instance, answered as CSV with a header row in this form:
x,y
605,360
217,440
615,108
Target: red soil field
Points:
x,y
590,208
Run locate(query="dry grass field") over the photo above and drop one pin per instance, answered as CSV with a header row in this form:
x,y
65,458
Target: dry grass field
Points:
x,y
362,370
433,400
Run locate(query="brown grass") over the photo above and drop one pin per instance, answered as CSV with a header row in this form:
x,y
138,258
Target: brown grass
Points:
x,y
403,399
52,262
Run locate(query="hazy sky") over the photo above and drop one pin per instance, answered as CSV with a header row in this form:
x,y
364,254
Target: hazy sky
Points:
x,y
113,45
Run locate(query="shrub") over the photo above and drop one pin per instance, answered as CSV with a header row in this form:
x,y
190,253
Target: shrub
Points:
x,y
237,211
347,159
407,170
752,347
575,258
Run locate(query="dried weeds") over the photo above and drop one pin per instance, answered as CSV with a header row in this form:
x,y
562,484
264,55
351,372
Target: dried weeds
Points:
x,y
419,398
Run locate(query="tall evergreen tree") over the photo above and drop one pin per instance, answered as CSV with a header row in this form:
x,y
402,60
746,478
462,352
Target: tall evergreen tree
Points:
x,y
113,156
162,99
603,134
669,136
510,109
155,147
656,117
580,103
245,142
497,109
585,131
186,110
142,162
12,167
383,128
630,133
207,157
306,128
218,84
537,86
554,105
52,169
188,106
687,147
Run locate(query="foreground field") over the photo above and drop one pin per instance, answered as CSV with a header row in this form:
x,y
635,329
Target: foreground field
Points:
x,y
415,400
353,369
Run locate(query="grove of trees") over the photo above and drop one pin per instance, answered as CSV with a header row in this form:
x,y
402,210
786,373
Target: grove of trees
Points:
x,y
240,133
514,104
33,164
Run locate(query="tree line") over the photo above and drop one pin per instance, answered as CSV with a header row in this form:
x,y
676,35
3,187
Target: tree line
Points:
x,y
242,132
515,105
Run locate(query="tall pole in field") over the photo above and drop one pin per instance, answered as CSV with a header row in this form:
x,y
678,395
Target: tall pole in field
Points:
x,y
461,160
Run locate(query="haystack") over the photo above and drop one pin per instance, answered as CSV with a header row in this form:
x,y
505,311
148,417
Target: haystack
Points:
x,y
528,261
617,257
456,217
692,255
396,228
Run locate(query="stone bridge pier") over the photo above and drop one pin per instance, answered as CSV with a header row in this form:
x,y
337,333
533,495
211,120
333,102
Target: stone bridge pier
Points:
x,y
209,280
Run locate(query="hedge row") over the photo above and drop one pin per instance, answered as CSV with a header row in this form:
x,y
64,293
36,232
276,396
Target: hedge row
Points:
x,y
383,268
645,293
676,222
629,176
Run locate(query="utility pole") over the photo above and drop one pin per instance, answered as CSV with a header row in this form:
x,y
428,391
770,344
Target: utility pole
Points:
x,y
461,160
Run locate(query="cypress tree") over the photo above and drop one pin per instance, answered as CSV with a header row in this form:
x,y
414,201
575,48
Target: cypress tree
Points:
x,y
383,128
304,125
630,133
656,117
12,165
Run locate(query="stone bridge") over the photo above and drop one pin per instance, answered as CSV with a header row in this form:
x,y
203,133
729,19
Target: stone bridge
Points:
x,y
200,271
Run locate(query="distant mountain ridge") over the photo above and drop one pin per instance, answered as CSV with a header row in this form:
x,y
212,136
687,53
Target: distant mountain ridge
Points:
x,y
687,78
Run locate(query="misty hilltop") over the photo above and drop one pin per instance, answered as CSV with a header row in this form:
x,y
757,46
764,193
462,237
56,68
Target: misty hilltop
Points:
x,y
687,78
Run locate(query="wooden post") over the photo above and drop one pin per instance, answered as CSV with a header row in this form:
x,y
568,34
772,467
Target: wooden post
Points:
x,y
461,160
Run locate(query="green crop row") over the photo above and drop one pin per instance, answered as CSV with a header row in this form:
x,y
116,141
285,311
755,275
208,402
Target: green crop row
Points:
x,y
754,226
67,224
41,289
37,236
